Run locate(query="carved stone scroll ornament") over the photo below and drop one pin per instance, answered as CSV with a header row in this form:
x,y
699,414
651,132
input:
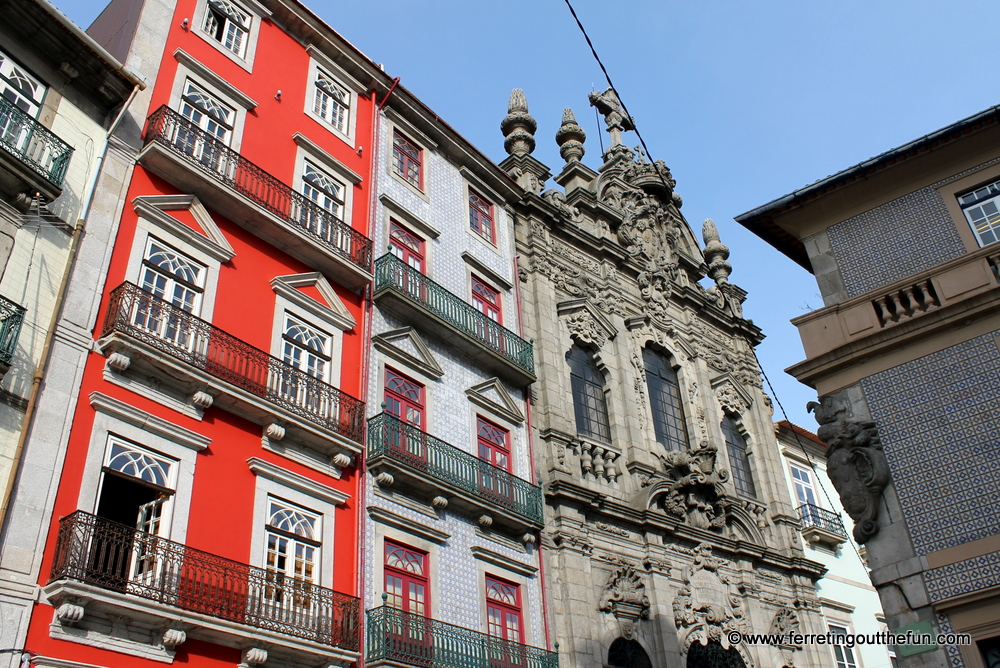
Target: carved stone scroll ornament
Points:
x,y
708,607
625,595
695,493
785,621
855,463
585,329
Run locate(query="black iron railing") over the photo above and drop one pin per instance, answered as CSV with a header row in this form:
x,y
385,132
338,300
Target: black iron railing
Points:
x,y
393,273
211,156
116,557
175,332
33,143
390,437
11,319
814,516
405,638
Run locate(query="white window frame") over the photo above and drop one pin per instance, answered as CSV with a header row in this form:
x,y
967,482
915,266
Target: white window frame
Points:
x,y
320,61
793,467
309,151
991,197
279,483
37,99
830,626
253,9
116,419
189,69
324,357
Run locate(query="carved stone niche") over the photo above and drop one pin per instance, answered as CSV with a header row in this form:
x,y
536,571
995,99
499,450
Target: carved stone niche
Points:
x,y
855,462
694,489
625,595
709,606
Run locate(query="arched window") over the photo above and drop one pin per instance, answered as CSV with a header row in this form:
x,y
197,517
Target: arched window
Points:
x,y
628,654
736,445
665,401
589,403
713,655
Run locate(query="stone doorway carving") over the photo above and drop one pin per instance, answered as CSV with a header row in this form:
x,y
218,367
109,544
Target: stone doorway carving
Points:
x,y
713,655
627,653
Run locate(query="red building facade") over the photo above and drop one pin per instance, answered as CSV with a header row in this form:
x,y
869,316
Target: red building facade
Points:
x,y
206,505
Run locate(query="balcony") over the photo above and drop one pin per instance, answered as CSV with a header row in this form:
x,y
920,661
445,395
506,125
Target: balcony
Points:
x,y
33,158
146,336
398,638
414,298
411,458
103,570
198,163
11,319
821,526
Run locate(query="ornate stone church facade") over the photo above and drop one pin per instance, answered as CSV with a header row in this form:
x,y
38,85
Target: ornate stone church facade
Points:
x,y
668,523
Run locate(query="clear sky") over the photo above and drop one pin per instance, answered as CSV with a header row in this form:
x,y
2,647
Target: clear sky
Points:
x,y
744,101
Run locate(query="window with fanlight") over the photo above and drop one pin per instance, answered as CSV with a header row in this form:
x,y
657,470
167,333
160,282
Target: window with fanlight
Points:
x,y
228,24
293,554
406,245
331,101
504,620
481,216
407,160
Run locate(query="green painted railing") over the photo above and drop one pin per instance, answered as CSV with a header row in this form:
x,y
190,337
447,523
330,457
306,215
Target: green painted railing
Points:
x,y
11,318
393,273
402,637
33,143
403,443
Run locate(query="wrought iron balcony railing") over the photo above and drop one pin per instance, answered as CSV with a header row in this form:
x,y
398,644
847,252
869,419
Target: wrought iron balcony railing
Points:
x,y
116,557
814,516
401,443
180,335
11,319
209,155
404,638
394,274
33,144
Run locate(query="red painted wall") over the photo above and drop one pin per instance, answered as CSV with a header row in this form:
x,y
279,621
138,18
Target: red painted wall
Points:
x,y
222,500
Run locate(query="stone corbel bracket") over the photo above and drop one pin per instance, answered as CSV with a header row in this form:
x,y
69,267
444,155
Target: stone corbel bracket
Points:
x,y
855,463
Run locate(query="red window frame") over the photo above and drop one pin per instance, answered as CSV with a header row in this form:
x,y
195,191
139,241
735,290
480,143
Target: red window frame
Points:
x,y
406,245
412,638
404,400
481,216
500,611
407,160
486,299
493,446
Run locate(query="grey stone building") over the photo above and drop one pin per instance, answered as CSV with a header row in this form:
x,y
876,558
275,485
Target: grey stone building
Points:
x,y
669,525
904,356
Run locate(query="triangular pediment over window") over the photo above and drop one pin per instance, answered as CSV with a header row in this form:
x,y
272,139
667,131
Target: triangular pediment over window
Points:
x,y
313,293
406,347
492,396
186,217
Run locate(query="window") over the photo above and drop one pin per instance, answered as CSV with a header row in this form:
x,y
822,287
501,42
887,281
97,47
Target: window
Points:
x,y
331,101
323,189
503,619
406,579
665,402
229,25
406,158
589,402
982,209
481,216
406,245
171,277
19,87
842,653
404,400
739,461
494,447
293,557
207,112
486,300
306,348
802,479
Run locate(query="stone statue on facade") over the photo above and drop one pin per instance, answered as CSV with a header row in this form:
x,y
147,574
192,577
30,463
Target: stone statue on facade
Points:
x,y
695,491
609,106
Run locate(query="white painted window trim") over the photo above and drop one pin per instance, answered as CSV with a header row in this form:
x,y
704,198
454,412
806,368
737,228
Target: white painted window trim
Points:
x,y
218,87
256,12
116,418
272,481
319,61
346,177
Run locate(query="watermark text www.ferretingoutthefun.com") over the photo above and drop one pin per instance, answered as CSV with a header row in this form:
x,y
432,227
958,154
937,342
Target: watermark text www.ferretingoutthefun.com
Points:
x,y
850,639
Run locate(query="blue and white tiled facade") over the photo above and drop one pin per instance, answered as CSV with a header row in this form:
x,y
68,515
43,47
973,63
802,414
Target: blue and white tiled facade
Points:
x,y
894,240
456,574
938,415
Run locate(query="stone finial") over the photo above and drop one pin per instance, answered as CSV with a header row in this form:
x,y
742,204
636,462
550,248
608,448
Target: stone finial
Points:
x,y
518,126
716,253
570,137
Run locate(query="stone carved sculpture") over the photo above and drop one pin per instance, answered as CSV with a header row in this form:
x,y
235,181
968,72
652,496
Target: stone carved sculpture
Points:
x,y
518,126
609,106
695,493
585,329
558,200
708,606
570,137
785,621
730,400
855,463
625,595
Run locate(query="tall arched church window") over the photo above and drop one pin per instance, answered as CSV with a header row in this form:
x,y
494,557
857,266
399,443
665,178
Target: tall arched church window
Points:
x,y
739,461
589,402
665,401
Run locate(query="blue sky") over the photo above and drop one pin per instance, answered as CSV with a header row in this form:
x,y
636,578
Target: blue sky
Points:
x,y
744,101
